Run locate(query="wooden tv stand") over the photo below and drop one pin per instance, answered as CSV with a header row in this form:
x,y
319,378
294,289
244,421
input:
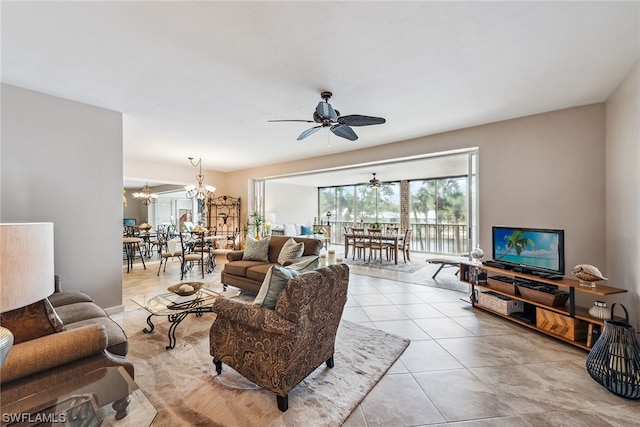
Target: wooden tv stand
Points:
x,y
568,314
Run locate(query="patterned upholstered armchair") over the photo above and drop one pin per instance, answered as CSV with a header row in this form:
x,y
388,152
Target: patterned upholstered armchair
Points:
x,y
276,349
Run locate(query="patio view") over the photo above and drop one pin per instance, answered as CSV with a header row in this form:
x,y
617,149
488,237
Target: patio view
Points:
x,y
437,210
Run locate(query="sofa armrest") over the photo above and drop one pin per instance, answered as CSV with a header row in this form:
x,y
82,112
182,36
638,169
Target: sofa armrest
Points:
x,y
49,351
253,316
299,259
235,256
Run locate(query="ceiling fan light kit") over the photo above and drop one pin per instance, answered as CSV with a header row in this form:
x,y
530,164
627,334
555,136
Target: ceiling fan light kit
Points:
x,y
327,116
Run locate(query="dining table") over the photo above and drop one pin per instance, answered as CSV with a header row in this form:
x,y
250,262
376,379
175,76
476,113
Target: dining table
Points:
x,y
394,238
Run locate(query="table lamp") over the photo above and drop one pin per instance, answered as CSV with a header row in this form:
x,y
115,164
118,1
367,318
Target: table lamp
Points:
x,y
26,270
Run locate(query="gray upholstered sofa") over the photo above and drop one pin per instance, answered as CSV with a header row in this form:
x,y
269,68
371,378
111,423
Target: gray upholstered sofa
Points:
x,y
249,275
58,339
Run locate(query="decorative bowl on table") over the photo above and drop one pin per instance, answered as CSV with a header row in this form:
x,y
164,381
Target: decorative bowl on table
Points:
x,y
185,289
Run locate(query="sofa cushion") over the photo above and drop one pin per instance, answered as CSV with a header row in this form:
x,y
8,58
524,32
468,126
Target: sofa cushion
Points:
x,y
71,313
277,278
290,250
291,230
239,268
306,230
58,299
33,321
256,250
258,272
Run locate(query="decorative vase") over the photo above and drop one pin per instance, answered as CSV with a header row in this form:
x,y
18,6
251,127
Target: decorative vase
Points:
x,y
600,310
477,254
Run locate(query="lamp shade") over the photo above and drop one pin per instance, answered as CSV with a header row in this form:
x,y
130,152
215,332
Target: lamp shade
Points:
x,y
26,264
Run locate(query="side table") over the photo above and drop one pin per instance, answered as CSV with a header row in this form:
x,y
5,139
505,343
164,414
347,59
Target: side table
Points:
x,y
106,396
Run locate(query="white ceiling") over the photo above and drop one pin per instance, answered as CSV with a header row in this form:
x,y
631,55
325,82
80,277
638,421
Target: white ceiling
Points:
x,y
203,78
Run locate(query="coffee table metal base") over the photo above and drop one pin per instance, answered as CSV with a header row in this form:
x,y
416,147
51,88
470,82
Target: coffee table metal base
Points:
x,y
174,320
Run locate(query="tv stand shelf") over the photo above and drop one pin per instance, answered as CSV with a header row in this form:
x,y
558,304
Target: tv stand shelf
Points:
x,y
570,313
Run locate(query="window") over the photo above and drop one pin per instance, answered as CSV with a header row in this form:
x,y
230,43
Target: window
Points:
x,y
438,214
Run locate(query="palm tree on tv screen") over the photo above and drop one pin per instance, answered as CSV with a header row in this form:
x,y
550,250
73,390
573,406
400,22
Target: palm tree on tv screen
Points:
x,y
518,242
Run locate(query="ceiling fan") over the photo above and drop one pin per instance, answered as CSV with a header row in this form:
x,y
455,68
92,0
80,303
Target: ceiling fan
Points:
x,y
374,182
339,125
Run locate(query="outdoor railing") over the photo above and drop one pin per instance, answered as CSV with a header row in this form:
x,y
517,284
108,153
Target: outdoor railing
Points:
x,y
448,239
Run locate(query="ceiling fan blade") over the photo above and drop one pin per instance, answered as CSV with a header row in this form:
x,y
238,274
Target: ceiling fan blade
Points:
x,y
359,120
344,131
326,111
308,132
292,120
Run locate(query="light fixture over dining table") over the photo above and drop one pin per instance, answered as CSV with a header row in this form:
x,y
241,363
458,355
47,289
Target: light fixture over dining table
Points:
x,y
145,196
199,191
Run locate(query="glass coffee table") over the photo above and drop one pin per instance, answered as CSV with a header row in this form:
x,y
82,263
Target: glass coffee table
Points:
x,y
106,396
176,306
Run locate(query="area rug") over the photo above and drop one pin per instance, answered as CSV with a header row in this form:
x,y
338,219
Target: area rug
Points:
x,y
408,267
184,388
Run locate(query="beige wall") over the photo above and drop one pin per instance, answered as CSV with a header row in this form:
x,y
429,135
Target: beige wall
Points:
x,y
62,163
623,190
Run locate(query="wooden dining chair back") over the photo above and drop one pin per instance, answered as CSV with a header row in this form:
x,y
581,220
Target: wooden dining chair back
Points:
x,y
377,245
348,240
391,229
360,243
406,245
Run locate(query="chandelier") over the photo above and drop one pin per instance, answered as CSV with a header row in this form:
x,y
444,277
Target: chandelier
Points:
x,y
146,197
200,191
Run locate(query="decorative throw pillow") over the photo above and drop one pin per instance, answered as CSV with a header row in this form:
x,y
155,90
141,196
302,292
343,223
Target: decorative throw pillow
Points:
x,y
33,321
256,250
277,278
290,250
306,230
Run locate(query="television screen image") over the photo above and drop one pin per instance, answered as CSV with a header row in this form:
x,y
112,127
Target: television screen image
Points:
x,y
534,249
129,221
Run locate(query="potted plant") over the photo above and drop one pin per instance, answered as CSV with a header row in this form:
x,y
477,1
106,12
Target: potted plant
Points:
x,y
255,223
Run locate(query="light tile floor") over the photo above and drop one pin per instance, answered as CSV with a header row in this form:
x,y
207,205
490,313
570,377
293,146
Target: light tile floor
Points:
x,y
463,367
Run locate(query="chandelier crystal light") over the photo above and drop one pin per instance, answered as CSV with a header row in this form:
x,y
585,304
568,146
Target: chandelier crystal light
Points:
x,y
146,197
200,191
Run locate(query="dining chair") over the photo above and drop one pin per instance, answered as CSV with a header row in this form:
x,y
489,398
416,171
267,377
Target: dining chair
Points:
x,y
348,241
376,244
360,243
189,257
406,245
170,250
131,246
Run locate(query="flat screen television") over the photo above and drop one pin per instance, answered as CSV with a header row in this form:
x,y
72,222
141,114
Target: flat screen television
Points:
x,y
530,250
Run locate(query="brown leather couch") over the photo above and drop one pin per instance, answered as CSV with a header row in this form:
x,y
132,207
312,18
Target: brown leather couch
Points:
x,y
59,339
249,275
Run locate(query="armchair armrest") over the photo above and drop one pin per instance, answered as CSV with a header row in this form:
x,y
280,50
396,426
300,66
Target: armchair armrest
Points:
x,y
253,316
49,351
235,255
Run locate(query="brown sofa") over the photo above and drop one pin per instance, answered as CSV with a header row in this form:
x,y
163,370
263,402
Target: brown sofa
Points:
x,y
278,348
56,340
249,275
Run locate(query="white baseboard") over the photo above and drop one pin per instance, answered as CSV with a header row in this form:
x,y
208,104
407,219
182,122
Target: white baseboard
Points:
x,y
115,309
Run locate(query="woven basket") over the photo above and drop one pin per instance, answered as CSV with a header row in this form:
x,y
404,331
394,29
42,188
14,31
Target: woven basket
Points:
x,y
614,360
